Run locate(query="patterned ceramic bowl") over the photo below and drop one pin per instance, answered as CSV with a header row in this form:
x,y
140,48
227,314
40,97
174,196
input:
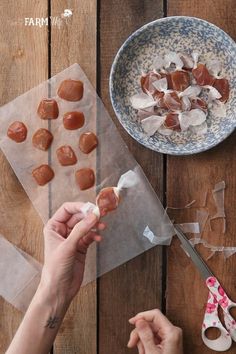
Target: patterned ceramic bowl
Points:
x,y
179,34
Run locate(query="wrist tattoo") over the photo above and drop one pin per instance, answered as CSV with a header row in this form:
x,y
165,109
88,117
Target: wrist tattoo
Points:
x,y
52,321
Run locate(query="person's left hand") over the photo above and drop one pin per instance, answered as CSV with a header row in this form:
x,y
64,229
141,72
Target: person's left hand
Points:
x,y
67,236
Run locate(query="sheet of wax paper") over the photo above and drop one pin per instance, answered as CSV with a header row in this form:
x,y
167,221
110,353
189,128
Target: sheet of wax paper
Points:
x,y
140,206
19,274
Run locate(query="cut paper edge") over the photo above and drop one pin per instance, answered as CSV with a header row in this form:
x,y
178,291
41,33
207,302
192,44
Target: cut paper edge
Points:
x,y
156,240
190,227
188,205
218,196
227,251
202,217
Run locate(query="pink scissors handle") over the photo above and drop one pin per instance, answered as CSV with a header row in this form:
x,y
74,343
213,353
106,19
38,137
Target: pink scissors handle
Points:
x,y
211,319
224,302
217,296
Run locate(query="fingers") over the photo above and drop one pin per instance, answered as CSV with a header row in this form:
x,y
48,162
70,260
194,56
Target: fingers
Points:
x,y
64,213
84,243
87,240
78,216
141,349
133,339
146,336
101,226
74,219
82,228
155,316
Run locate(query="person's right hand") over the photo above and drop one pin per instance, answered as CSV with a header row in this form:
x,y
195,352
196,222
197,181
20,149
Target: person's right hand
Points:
x,y
155,334
68,235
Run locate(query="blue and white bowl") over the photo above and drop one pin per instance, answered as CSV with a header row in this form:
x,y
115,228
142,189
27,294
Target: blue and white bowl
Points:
x,y
137,54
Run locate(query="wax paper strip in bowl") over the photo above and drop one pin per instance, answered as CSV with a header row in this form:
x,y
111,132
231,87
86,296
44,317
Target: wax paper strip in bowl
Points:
x,y
19,274
140,207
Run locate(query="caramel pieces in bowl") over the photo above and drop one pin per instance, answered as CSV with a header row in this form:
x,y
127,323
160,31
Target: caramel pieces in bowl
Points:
x,y
71,90
43,174
17,132
42,139
48,109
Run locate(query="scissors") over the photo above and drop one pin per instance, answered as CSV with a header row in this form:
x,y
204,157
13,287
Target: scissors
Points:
x,y
217,297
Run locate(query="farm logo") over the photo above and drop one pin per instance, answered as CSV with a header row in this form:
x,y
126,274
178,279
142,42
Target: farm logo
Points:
x,y
53,20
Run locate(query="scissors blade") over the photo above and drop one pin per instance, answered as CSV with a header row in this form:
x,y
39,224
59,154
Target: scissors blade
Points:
x,y
197,260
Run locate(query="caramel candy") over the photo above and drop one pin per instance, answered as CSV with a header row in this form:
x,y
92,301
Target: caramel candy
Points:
x,y
73,120
199,103
71,90
172,122
42,139
48,109
17,131
85,178
180,80
172,101
43,174
202,75
66,155
87,142
147,80
222,85
107,200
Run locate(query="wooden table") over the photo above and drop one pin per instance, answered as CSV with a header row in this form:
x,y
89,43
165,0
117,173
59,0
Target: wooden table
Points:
x,y
164,278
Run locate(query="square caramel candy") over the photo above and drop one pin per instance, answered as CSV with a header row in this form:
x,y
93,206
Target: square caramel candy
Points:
x,y
42,139
66,155
71,90
108,199
85,178
43,174
88,142
17,132
48,109
73,120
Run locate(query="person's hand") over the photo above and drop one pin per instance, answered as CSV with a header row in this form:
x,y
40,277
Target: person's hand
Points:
x,y
155,334
67,236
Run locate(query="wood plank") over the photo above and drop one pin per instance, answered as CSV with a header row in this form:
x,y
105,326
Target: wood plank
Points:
x,y
186,292
76,42
136,285
22,50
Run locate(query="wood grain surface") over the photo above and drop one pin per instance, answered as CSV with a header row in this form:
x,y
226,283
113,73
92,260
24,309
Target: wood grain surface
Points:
x,y
22,50
137,285
189,178
76,42
97,321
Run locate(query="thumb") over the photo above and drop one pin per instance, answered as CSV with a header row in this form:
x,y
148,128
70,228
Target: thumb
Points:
x,y
82,228
146,336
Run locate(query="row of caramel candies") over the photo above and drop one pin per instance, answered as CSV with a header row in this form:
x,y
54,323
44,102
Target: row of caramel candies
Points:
x,y
70,90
